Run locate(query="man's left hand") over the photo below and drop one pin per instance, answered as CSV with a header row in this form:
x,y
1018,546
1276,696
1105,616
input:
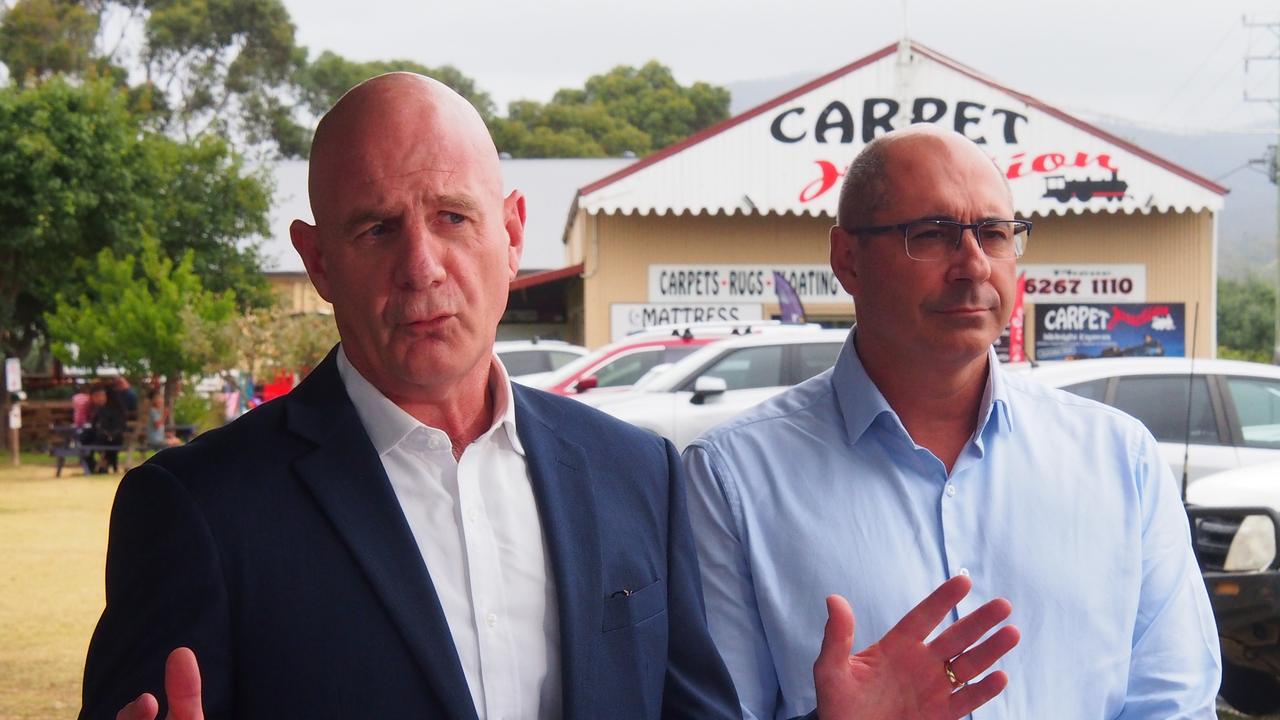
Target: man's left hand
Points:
x,y
904,676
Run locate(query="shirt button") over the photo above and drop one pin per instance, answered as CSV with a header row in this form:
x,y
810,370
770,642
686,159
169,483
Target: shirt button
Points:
x,y
951,490
491,619
436,443
473,515
964,572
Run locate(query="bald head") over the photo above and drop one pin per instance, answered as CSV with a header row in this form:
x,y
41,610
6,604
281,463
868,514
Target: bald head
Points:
x,y
393,113
414,243
866,189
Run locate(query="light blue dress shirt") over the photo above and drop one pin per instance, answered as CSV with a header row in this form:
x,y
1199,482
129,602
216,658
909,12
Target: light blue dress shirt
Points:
x,y
1060,504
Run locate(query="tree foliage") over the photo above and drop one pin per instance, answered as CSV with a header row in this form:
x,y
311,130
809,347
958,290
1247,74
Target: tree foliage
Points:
x,y
81,174
39,38
322,81
224,66
273,340
1246,318
201,197
144,313
636,109
218,67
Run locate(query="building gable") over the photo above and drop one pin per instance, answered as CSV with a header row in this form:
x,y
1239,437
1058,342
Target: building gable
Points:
x,y
789,154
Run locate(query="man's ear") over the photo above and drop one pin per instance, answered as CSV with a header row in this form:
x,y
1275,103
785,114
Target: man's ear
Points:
x,y
844,258
306,240
513,212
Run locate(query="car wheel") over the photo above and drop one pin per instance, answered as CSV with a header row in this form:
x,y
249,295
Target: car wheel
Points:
x,y
1250,691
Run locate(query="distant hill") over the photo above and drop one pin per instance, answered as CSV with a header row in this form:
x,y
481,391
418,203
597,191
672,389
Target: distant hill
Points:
x,y
1247,224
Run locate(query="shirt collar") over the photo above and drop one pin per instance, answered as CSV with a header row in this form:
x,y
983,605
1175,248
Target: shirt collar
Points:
x,y
860,401
388,424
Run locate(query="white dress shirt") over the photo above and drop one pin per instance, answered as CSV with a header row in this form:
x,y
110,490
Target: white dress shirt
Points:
x,y
476,523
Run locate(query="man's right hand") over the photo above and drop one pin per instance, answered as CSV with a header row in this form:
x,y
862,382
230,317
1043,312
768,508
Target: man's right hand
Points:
x,y
181,688
904,676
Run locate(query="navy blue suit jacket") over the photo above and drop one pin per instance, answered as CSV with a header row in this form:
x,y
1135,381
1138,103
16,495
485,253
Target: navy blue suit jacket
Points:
x,y
276,549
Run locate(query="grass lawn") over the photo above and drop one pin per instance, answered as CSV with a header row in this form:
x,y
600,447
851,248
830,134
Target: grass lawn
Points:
x,y
53,537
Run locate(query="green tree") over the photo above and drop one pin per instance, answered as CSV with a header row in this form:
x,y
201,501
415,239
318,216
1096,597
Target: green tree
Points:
x,y
224,67
1246,318
272,340
650,99
146,314
200,196
636,109
207,67
322,81
39,38
81,174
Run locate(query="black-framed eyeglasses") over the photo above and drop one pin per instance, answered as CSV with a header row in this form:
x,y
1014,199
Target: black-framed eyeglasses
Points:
x,y
937,239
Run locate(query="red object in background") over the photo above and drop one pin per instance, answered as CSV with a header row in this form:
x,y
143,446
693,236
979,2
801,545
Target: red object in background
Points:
x,y
280,385
1017,350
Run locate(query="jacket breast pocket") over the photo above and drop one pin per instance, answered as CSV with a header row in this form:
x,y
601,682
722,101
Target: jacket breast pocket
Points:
x,y
624,609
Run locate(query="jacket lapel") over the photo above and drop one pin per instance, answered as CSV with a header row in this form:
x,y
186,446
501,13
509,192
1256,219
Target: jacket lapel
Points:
x,y
348,481
566,506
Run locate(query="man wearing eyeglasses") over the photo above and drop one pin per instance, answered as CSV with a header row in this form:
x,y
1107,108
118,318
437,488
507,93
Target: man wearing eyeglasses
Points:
x,y
917,458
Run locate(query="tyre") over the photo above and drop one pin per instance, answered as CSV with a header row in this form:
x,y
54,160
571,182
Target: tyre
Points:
x,y
1250,691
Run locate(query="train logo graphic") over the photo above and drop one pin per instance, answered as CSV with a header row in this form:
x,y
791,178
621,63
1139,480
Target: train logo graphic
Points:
x,y
1061,189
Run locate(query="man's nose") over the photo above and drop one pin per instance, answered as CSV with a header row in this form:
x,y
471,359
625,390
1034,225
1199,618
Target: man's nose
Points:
x,y
421,261
969,261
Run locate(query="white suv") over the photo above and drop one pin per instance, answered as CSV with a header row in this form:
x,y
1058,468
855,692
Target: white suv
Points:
x,y
722,380
1234,408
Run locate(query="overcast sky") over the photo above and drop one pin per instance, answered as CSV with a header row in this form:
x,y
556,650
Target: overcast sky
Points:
x,y
1173,64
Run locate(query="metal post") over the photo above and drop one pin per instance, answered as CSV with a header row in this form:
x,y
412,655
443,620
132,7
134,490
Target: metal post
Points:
x,y
11,402
1273,166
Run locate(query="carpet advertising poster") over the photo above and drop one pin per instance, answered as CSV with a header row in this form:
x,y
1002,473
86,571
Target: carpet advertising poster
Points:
x,y
1077,331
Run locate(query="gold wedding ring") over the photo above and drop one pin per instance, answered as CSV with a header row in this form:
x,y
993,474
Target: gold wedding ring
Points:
x,y
951,675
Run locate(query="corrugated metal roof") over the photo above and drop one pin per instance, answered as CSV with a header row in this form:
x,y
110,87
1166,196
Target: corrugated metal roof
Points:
x,y
550,187
788,155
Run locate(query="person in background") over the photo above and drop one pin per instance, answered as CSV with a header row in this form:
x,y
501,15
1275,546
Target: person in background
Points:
x,y
81,408
157,435
127,395
106,427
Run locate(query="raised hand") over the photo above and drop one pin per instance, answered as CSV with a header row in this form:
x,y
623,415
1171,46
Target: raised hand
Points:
x,y
904,676
181,687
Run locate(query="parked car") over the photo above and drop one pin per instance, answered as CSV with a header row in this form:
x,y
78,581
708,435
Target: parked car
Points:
x,y
1234,406
526,360
617,366
721,380
1234,519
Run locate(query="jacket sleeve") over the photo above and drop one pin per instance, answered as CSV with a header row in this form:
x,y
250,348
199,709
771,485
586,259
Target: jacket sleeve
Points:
x,y
1174,665
164,589
698,686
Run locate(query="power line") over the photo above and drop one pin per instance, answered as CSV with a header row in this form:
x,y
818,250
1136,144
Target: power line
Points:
x,y
1233,171
1199,66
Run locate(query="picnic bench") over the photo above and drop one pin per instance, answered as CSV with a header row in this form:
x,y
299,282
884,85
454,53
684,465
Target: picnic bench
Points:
x,y
64,443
